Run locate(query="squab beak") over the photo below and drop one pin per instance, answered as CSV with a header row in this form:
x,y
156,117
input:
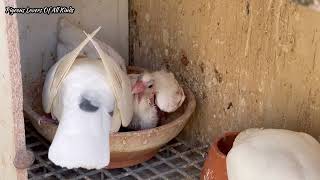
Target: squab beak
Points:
x,y
138,87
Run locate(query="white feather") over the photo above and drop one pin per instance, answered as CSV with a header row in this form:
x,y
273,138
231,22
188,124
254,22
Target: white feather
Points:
x,y
170,95
58,72
274,154
82,138
144,112
70,36
121,87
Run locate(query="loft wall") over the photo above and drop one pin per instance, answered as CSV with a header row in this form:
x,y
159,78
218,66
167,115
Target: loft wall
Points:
x,y
249,63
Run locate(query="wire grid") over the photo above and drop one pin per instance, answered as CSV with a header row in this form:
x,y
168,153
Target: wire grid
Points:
x,y
177,160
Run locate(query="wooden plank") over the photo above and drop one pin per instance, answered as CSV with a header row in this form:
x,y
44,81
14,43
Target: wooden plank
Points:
x,y
11,116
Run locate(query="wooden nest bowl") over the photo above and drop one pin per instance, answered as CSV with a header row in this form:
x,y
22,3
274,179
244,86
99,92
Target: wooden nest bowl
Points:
x,y
126,148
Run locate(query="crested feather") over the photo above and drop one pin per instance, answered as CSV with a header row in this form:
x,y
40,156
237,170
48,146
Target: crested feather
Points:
x,y
59,72
120,85
70,36
46,89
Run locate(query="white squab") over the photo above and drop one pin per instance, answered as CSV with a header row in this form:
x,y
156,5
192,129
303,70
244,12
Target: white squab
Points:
x,y
154,94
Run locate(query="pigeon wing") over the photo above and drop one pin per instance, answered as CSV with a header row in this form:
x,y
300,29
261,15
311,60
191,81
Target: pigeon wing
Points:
x,y
121,87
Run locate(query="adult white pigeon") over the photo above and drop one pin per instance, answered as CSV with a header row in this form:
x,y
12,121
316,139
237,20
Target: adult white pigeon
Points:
x,y
155,94
274,154
71,35
90,98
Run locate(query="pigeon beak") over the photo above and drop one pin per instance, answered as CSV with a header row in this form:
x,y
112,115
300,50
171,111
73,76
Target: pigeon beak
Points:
x,y
138,87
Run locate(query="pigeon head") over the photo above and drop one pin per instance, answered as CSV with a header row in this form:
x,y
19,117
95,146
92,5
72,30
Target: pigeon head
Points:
x,y
144,82
168,95
144,87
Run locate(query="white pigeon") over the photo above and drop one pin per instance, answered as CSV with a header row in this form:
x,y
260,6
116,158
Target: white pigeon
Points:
x,y
90,98
145,112
84,107
274,154
70,36
154,94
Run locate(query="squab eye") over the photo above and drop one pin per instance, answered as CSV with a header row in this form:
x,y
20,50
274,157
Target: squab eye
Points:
x,y
150,84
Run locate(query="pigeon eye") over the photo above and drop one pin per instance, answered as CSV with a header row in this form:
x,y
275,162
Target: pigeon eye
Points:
x,y
87,106
150,84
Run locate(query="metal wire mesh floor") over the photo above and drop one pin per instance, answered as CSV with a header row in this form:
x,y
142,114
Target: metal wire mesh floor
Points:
x,y
177,160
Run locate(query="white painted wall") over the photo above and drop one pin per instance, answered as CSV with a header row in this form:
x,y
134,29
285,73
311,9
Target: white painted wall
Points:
x,y
38,33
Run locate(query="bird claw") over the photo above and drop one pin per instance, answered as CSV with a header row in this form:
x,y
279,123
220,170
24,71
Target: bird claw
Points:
x,y
47,120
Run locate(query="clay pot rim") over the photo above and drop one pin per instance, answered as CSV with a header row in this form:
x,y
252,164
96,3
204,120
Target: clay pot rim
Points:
x,y
215,146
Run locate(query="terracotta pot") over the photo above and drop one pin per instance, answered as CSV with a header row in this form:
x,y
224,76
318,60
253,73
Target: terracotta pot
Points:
x,y
215,167
126,148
